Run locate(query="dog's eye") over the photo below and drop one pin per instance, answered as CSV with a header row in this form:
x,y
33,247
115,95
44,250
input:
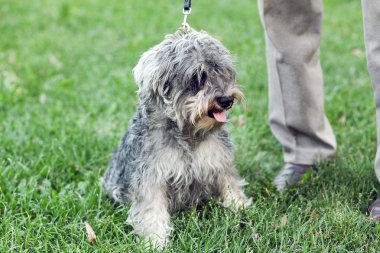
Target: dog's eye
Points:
x,y
199,81
202,80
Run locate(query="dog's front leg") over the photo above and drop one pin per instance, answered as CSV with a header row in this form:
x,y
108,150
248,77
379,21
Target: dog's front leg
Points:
x,y
150,217
232,193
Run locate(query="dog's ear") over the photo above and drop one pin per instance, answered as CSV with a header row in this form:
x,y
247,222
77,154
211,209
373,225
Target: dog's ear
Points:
x,y
153,73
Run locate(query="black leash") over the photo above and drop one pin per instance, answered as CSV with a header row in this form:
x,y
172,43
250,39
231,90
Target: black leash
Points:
x,y
186,12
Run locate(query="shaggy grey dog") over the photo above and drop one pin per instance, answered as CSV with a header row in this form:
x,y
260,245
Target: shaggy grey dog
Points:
x,y
176,152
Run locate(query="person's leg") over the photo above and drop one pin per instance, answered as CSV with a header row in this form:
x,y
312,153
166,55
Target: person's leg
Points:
x,y
371,18
296,109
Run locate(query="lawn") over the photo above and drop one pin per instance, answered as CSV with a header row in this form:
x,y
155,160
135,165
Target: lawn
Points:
x,y
67,95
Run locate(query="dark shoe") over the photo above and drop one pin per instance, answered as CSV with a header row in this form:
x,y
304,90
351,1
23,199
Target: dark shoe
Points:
x,y
374,210
291,174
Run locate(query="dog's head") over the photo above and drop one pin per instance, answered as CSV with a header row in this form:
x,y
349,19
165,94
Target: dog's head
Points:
x,y
191,77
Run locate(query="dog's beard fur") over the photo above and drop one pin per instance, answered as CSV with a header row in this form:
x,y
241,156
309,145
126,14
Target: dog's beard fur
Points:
x,y
176,152
197,109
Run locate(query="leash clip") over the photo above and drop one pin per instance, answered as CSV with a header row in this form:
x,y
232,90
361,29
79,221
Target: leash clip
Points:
x,y
186,12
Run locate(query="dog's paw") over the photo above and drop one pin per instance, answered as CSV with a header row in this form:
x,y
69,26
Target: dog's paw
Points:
x,y
155,242
248,202
237,203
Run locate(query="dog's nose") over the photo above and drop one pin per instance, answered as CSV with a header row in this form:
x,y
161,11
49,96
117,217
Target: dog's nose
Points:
x,y
225,102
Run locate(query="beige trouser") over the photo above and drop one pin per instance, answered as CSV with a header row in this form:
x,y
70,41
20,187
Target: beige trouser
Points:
x,y
296,110
371,17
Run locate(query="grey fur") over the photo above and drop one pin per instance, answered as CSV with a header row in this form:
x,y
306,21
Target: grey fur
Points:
x,y
175,154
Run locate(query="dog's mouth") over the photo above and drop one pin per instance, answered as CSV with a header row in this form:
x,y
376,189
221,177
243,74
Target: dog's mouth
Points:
x,y
218,115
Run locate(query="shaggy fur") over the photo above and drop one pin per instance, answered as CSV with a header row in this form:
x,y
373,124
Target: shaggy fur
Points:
x,y
176,152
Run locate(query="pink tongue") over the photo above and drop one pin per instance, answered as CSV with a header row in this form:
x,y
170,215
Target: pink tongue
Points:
x,y
220,116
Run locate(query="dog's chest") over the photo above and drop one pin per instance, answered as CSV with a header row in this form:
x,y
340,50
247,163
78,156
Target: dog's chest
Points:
x,y
209,158
196,176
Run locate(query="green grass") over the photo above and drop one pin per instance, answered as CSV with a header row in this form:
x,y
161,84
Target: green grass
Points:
x,y
67,95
